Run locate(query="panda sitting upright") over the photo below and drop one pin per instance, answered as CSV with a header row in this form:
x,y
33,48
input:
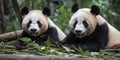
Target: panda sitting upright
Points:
x,y
37,23
90,31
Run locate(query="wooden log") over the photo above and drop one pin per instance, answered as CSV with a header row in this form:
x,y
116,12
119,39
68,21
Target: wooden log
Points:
x,y
34,57
10,36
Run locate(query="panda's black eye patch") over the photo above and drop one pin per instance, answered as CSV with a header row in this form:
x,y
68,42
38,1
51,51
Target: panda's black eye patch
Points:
x,y
75,24
39,24
85,23
28,24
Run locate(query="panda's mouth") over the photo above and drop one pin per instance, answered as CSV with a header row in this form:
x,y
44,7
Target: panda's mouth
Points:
x,y
34,33
80,35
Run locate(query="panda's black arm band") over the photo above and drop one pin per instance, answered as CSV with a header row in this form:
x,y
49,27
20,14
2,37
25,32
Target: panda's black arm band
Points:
x,y
70,38
103,35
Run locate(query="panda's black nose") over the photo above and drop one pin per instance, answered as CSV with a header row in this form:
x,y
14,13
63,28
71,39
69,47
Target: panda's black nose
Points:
x,y
77,31
33,30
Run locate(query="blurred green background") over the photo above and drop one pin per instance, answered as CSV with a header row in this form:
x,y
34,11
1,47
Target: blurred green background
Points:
x,y
61,12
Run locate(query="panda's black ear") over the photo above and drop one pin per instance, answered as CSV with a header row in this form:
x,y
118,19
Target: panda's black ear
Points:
x,y
74,8
46,11
24,11
95,10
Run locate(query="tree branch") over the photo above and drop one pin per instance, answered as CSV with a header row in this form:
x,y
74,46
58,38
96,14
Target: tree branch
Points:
x,y
17,10
3,23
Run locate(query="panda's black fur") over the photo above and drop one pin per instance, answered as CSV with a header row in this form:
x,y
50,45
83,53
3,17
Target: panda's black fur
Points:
x,y
24,11
97,40
53,32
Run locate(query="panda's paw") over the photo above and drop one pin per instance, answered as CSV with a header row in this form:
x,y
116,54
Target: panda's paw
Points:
x,y
109,46
20,45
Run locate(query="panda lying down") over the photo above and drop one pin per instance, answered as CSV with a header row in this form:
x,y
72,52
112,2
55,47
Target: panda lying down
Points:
x,y
37,23
90,31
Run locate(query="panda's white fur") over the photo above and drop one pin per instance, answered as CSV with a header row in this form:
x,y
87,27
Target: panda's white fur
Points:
x,y
98,35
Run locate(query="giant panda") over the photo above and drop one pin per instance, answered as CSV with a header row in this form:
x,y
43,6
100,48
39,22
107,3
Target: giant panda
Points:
x,y
35,24
90,31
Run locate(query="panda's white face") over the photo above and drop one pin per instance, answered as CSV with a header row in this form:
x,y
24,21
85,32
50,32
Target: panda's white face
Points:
x,y
34,27
80,28
82,23
35,23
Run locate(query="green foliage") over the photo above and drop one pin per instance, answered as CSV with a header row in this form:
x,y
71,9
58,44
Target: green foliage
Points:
x,y
25,40
80,50
101,53
33,48
47,48
61,17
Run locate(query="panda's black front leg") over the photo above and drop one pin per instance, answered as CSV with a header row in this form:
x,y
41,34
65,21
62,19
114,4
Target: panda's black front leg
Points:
x,y
19,43
94,47
53,35
99,42
69,39
73,42
102,37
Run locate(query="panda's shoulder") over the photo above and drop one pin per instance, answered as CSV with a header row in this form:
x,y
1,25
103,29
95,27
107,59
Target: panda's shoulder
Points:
x,y
100,20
